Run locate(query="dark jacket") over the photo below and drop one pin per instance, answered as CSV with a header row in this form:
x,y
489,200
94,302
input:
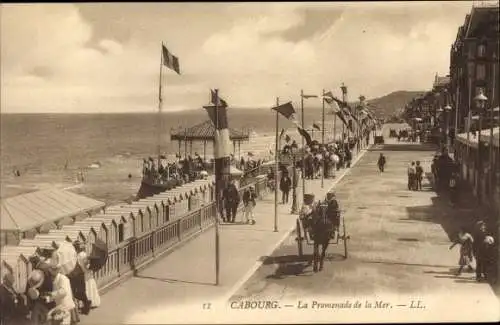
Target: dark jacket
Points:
x,y
12,305
381,161
285,183
231,195
249,197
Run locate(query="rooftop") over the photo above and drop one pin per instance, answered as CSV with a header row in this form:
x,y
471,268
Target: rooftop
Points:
x,y
31,210
205,131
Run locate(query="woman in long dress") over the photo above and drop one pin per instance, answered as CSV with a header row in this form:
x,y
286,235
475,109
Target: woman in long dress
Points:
x,y
465,241
90,283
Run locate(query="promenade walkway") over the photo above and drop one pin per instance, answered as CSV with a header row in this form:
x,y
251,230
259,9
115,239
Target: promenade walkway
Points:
x,y
180,283
398,253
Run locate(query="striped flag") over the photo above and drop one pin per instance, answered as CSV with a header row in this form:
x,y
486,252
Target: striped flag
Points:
x,y
222,145
288,112
170,60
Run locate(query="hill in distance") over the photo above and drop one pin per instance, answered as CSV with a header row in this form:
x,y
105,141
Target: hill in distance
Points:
x,y
393,103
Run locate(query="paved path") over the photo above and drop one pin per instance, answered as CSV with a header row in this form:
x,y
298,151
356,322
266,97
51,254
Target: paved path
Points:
x,y
180,283
398,253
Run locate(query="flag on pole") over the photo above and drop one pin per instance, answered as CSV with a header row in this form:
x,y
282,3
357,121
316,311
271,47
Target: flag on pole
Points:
x,y
288,112
341,116
282,132
316,126
346,110
287,138
306,135
328,97
309,96
216,100
170,60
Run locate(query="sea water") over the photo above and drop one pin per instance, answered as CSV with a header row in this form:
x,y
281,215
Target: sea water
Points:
x,y
49,150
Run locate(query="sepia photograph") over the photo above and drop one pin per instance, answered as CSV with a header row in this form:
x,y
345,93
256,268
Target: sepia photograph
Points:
x,y
249,162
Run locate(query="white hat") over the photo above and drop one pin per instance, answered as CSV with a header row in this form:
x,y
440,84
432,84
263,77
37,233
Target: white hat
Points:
x,y
489,240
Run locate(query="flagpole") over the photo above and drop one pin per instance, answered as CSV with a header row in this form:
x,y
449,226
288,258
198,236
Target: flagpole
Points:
x,y
303,149
218,198
323,138
276,158
160,105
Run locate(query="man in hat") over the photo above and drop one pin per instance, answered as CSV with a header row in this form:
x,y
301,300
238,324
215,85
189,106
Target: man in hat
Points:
x,y
333,210
231,198
61,293
13,306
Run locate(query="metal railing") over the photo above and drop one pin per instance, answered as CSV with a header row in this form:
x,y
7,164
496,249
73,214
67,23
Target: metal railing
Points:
x,y
134,252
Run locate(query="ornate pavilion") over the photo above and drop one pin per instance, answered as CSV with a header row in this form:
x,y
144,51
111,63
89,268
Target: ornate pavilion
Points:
x,y
205,132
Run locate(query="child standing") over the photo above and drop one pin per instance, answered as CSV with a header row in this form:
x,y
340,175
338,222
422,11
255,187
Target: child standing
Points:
x,y
419,175
465,240
249,203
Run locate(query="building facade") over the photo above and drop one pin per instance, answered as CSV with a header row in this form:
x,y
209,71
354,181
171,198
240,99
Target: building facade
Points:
x,y
474,67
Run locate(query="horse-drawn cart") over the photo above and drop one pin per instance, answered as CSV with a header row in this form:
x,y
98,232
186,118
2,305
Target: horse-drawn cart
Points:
x,y
304,236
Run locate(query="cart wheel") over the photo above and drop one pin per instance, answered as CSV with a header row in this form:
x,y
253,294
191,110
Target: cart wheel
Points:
x,y
299,240
345,238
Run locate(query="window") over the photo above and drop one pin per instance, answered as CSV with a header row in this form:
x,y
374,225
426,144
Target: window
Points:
x,y
471,50
481,50
480,72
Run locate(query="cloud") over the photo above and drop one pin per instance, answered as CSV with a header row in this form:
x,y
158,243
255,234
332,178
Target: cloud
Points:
x,y
105,57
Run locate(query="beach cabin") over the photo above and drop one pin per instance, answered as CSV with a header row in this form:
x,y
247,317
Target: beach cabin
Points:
x,y
16,260
26,215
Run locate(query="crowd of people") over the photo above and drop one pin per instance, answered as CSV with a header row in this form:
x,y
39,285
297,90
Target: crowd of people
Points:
x,y
54,294
181,170
475,244
406,134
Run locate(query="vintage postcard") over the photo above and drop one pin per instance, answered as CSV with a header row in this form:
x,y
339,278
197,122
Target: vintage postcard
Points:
x,y
240,163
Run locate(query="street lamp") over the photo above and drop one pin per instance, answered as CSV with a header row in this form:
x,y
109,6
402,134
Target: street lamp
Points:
x,y
293,151
480,101
447,110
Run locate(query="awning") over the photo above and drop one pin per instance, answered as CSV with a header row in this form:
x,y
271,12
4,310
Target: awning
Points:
x,y
31,210
485,137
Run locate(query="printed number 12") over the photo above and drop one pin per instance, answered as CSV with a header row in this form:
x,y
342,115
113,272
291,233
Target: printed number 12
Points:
x,y
207,305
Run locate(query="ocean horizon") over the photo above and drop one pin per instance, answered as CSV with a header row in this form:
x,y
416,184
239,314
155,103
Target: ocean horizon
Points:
x,y
49,149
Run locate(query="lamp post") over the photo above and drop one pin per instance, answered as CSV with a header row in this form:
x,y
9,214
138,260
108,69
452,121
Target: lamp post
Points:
x,y
447,110
439,116
436,106
480,101
293,151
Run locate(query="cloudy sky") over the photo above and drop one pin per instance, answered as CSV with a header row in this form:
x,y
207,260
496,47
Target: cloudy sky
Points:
x,y
106,57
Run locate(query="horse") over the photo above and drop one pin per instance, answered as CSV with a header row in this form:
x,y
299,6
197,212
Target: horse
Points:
x,y
322,224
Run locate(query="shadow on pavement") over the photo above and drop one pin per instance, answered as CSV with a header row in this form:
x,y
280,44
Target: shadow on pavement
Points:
x,y
173,280
406,264
295,265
